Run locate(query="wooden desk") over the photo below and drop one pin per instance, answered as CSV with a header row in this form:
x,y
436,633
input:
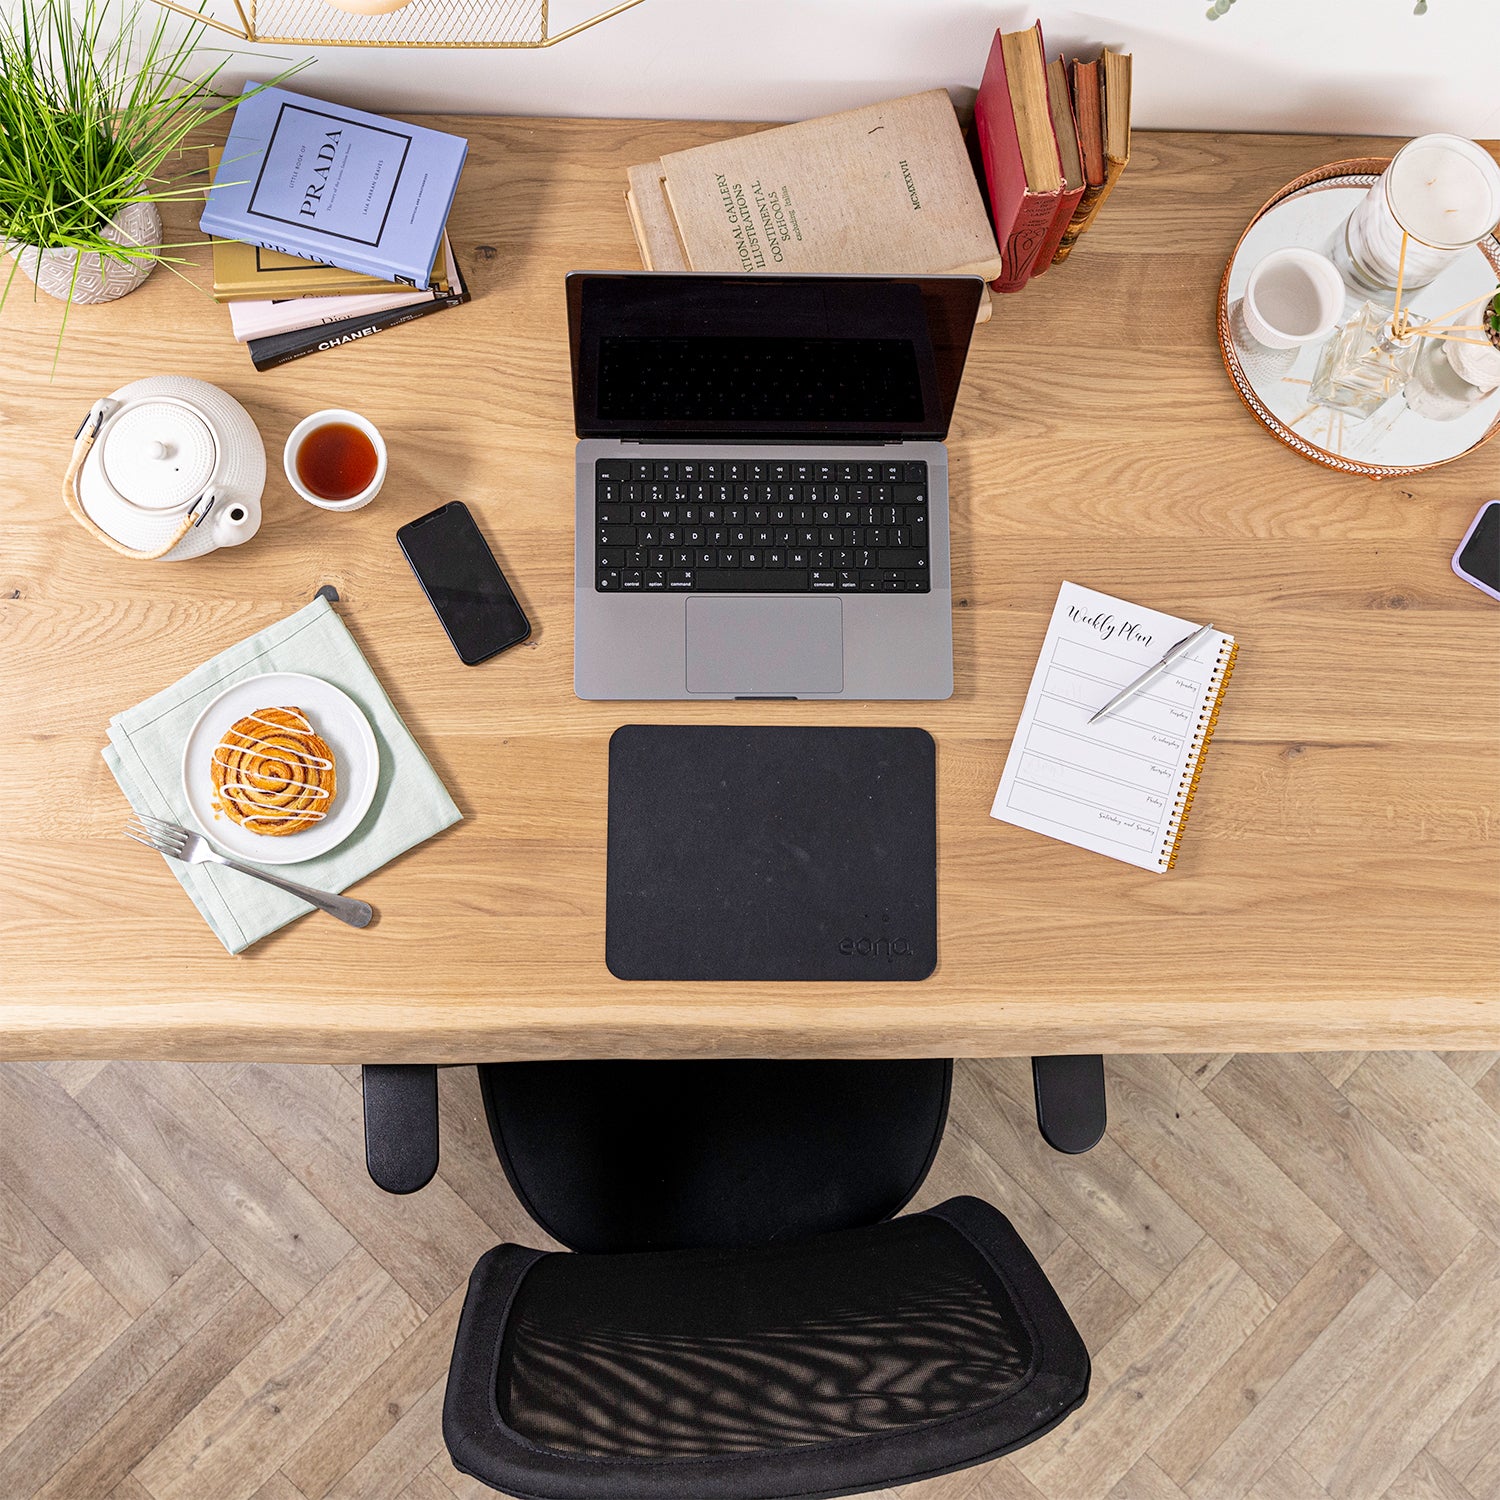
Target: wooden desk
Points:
x,y
1339,885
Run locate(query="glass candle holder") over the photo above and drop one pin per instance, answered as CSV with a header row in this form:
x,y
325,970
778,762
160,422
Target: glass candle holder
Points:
x,y
1364,364
1450,377
1442,192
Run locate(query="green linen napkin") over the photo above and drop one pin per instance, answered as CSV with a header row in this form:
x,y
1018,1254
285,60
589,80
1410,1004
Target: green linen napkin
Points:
x,y
145,755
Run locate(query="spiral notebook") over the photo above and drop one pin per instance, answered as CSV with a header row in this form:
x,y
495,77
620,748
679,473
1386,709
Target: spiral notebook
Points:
x,y
1124,786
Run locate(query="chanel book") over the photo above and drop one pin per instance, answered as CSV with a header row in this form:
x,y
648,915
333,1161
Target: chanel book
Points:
x,y
335,184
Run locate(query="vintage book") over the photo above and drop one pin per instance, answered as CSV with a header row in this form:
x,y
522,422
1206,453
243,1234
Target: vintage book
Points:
x,y
1122,786
886,188
259,320
335,184
282,348
1065,129
248,273
1013,122
1089,115
1114,103
1116,117
651,219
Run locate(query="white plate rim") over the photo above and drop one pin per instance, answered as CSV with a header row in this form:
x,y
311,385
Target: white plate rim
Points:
x,y
283,856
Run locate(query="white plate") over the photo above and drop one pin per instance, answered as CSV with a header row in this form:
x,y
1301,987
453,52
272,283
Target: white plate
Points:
x,y
334,715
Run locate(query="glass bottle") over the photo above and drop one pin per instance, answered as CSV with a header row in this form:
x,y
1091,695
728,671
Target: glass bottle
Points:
x,y
1364,364
1442,385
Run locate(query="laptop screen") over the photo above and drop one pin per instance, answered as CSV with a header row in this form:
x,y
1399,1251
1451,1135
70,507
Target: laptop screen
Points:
x,y
811,357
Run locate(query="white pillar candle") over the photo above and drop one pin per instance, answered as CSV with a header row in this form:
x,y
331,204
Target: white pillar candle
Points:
x,y
1445,191
1442,191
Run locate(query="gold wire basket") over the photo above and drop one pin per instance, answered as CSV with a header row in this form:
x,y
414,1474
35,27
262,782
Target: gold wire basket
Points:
x,y
423,23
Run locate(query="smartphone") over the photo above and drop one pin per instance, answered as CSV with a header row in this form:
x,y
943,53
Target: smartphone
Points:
x,y
463,583
1478,557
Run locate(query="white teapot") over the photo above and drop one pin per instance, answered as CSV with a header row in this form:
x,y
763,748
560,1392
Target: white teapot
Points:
x,y
167,467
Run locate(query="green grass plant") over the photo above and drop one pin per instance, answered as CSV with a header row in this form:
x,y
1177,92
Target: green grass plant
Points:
x,y
96,104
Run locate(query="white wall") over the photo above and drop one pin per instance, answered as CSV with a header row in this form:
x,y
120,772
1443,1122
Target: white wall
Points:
x,y
1309,65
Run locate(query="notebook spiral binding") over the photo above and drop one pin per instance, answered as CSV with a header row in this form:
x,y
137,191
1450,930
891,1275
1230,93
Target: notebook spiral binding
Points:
x,y
1207,722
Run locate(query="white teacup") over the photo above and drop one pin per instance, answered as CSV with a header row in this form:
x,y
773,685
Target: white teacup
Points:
x,y
1293,297
331,417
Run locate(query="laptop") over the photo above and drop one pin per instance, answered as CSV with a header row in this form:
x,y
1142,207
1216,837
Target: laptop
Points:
x,y
762,487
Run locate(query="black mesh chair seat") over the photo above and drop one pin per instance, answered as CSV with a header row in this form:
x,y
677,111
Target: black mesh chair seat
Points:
x,y
849,1361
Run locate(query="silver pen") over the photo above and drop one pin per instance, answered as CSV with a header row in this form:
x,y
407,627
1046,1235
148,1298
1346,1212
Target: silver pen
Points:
x,y
1150,675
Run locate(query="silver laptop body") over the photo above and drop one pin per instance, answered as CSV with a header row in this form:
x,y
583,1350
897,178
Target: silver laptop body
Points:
x,y
659,637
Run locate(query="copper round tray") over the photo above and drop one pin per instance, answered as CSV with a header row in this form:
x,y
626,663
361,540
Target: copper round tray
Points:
x,y
1328,452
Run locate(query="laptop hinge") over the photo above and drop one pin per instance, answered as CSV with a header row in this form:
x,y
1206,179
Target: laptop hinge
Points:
x,y
760,442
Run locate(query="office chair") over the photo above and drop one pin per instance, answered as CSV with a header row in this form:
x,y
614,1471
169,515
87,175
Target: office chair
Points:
x,y
742,1317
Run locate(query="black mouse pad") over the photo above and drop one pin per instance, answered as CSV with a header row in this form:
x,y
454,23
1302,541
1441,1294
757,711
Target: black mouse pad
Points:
x,y
771,853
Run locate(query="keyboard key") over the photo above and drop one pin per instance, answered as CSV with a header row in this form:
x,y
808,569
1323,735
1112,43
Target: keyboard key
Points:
x,y
609,579
611,557
705,557
612,515
663,472
616,536
632,578
822,578
916,473
728,558
612,468
758,582
849,581
902,557
656,578
679,578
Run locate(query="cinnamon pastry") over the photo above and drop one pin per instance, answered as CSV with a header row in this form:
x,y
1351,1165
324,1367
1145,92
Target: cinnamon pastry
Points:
x,y
272,774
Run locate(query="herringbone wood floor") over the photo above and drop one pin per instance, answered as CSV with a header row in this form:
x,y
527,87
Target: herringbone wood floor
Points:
x,y
1287,1270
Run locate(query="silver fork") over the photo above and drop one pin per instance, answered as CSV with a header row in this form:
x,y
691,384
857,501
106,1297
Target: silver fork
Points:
x,y
193,849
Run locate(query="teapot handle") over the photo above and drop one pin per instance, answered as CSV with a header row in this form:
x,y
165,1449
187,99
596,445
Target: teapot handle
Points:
x,y
81,445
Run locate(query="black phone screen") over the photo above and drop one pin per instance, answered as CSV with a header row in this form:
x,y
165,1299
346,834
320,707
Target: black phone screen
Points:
x,y
1480,555
463,582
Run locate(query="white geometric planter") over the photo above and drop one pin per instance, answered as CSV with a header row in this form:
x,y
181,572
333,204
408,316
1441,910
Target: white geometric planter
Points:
x,y
99,279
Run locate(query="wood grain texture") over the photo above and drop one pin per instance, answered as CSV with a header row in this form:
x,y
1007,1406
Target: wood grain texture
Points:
x,y
1338,885
1221,1376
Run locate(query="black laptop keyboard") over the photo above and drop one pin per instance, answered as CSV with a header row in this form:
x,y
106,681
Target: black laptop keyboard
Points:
x,y
764,526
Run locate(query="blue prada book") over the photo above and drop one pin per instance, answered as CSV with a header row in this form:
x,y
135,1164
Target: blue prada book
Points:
x,y
335,184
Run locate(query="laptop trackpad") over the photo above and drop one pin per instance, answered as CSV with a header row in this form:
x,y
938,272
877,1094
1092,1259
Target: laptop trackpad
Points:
x,y
765,646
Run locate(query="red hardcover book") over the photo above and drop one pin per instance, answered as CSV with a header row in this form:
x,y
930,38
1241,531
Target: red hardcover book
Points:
x,y
1019,150
1065,129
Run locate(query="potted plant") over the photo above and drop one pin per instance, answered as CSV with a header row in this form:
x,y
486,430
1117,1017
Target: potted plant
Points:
x,y
94,111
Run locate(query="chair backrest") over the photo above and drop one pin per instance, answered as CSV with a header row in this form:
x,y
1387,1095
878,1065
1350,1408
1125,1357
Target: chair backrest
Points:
x,y
619,1156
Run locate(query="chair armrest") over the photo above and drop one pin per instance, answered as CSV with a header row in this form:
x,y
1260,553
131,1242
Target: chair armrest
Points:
x,y
401,1125
1070,1110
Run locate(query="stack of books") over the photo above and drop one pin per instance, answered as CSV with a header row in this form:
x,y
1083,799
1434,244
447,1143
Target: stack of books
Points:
x,y
886,189
891,189
328,224
1054,138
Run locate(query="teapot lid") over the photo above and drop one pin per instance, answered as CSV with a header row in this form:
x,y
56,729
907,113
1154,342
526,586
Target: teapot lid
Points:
x,y
158,453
